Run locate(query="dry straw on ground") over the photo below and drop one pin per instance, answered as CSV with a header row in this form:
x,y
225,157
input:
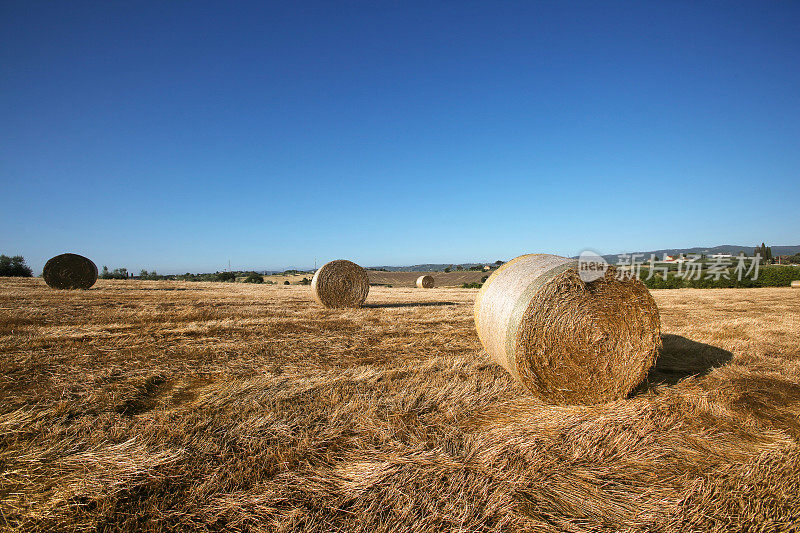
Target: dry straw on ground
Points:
x,y
70,271
340,283
566,340
425,282
176,406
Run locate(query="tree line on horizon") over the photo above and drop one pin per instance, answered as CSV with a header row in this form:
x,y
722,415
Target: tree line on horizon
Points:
x,y
15,266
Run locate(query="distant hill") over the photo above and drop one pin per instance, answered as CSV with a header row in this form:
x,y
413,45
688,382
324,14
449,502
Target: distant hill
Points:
x,y
709,250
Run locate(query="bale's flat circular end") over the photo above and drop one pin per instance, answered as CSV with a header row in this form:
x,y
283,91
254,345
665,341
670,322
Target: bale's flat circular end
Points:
x,y
425,282
566,340
70,271
340,283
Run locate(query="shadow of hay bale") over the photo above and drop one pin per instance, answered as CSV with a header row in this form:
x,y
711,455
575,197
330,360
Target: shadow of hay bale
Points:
x,y
680,358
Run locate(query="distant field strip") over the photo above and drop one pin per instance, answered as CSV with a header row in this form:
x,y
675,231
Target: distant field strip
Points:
x,y
409,279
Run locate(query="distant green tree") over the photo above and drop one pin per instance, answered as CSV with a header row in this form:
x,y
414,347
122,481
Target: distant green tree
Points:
x,y
286,282
762,251
117,273
252,277
226,276
14,266
765,252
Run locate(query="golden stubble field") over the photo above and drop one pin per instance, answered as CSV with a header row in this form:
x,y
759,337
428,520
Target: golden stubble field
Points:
x,y
156,406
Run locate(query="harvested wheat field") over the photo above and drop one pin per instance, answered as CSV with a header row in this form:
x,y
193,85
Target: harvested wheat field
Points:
x,y
155,406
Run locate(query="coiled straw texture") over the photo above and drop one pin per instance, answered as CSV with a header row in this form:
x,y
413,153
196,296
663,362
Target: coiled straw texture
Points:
x,y
70,271
340,283
425,282
565,340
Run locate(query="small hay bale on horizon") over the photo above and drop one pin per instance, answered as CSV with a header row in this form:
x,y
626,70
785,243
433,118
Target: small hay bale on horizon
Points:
x,y
340,284
568,341
795,284
425,282
69,271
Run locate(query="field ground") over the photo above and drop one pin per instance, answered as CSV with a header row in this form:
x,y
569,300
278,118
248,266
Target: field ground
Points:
x,y
211,406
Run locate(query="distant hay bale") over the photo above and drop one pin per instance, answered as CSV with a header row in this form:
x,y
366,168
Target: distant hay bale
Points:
x,y
565,340
796,284
425,282
340,283
70,271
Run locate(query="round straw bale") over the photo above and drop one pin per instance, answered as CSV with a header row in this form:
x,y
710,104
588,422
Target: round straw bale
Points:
x,y
565,340
425,282
70,271
796,284
340,283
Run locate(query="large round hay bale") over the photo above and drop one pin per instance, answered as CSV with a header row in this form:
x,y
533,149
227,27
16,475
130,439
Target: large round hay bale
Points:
x,y
796,284
565,340
425,282
70,271
340,283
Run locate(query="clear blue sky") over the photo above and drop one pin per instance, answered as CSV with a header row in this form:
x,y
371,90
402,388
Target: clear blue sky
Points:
x,y
177,135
